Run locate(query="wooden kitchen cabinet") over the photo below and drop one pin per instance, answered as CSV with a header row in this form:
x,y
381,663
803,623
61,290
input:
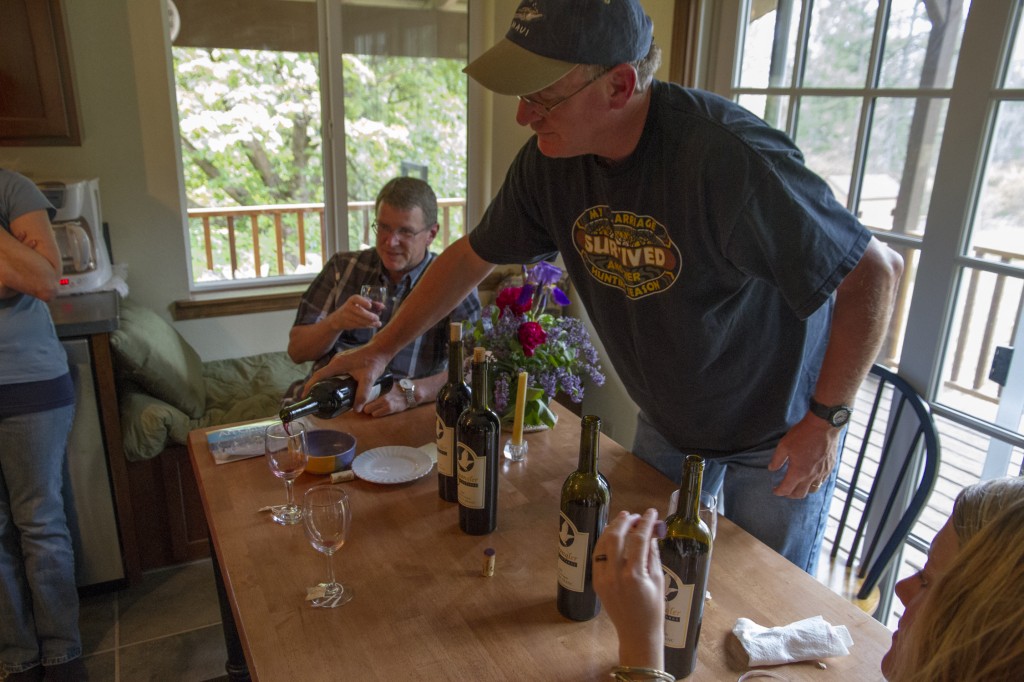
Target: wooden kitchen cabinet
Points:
x,y
37,101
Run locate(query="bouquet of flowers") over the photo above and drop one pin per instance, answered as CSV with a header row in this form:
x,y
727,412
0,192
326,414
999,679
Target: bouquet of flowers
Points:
x,y
522,335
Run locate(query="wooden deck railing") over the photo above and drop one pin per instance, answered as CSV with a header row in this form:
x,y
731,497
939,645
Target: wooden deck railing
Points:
x,y
233,242
986,312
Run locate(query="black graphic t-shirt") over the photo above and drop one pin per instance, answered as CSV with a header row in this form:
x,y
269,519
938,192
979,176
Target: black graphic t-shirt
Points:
x,y
706,261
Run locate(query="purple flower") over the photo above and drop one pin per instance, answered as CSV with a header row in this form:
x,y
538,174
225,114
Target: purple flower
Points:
x,y
544,274
556,351
525,300
501,392
540,280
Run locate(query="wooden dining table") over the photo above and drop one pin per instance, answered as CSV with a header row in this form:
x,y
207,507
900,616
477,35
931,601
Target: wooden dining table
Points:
x,y
422,608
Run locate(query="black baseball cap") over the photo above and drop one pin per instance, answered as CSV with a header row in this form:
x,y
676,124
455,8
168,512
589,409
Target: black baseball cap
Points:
x,y
548,38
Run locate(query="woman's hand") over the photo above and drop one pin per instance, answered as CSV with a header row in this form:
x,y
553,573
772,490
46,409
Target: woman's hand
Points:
x,y
629,580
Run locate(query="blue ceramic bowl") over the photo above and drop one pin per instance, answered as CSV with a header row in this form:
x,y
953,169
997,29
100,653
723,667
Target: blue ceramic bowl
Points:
x,y
329,451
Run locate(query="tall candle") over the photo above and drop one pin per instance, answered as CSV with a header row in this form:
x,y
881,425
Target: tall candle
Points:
x,y
517,424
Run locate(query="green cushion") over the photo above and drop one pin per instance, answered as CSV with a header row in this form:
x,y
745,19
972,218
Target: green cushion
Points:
x,y
249,388
149,425
154,355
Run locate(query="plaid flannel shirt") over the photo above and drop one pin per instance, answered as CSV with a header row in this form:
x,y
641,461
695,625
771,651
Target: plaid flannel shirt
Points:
x,y
343,276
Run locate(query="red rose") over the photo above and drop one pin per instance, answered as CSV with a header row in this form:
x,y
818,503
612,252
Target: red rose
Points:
x,y
509,298
531,335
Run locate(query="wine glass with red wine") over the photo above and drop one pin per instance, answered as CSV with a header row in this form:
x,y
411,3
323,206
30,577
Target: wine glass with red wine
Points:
x,y
378,297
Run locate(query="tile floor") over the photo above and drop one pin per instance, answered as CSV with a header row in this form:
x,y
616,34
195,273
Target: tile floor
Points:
x,y
166,628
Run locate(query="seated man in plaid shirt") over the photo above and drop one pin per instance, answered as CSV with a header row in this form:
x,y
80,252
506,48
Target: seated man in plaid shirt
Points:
x,y
334,317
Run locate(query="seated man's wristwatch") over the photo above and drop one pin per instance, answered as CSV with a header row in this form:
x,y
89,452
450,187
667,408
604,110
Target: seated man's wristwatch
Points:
x,y
836,415
409,390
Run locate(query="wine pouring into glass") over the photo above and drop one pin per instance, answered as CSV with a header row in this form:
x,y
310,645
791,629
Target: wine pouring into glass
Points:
x,y
327,515
378,297
285,447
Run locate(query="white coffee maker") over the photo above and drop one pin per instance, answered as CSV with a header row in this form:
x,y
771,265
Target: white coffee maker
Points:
x,y
78,227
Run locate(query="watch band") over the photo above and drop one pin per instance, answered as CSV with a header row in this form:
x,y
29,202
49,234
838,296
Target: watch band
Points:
x,y
409,390
836,415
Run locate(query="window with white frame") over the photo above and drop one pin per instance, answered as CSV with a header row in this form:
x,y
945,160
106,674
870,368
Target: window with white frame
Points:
x,y
293,114
912,111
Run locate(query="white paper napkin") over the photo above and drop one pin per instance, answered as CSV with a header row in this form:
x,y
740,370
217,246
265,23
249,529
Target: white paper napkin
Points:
x,y
805,640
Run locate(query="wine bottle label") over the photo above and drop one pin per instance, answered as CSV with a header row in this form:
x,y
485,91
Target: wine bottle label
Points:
x,y
445,443
678,600
472,477
572,555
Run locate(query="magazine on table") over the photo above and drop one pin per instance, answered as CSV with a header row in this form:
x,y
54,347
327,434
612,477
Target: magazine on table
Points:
x,y
238,442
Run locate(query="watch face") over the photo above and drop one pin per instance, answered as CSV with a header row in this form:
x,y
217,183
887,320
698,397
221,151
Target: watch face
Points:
x,y
836,415
409,389
840,416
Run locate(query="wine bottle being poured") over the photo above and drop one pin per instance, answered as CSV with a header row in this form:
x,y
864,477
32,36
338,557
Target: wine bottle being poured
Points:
x,y
332,396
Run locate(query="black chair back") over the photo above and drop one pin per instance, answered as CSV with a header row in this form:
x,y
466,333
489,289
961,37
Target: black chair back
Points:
x,y
897,425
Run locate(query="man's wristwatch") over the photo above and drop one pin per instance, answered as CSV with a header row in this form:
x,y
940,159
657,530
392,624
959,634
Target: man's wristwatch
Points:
x,y
836,415
409,389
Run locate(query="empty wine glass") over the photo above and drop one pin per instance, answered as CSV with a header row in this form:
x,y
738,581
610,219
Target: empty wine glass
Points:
x,y
709,512
326,515
378,296
708,509
285,447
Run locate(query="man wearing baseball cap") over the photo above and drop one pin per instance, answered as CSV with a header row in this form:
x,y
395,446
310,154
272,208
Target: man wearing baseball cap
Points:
x,y
739,302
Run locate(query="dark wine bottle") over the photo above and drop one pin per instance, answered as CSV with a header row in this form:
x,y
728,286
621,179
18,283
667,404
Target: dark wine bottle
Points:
x,y
452,401
685,559
332,396
476,435
585,499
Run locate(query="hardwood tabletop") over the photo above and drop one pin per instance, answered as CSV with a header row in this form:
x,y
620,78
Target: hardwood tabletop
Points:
x,y
423,611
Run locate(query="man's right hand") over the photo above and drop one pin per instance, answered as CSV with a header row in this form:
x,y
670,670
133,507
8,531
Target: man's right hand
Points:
x,y
356,313
364,364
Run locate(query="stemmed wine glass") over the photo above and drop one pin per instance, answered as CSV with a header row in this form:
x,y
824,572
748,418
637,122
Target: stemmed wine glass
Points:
x,y
378,296
326,515
285,446
708,509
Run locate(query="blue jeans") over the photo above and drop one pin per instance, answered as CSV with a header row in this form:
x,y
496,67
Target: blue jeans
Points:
x,y
743,485
38,597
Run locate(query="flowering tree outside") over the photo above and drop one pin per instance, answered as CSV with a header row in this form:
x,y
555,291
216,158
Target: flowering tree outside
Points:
x,y
250,131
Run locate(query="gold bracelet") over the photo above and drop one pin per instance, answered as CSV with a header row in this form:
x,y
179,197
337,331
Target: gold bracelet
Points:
x,y
625,673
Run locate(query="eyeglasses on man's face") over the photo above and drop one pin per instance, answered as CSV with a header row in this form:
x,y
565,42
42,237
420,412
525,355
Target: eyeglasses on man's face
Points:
x,y
403,233
546,108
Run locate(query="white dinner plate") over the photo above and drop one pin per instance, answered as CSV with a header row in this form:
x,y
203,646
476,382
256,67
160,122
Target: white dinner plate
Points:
x,y
392,464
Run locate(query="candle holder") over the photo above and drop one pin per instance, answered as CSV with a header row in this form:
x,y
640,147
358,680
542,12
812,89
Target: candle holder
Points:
x,y
516,453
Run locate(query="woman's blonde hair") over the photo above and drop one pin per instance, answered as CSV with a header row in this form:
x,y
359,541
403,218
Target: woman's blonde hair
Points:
x,y
971,624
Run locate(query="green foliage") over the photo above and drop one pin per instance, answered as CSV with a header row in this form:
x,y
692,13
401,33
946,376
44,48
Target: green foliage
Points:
x,y
251,135
403,109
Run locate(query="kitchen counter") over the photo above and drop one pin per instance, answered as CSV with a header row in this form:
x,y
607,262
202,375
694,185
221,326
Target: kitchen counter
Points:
x,y
85,314
91,318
